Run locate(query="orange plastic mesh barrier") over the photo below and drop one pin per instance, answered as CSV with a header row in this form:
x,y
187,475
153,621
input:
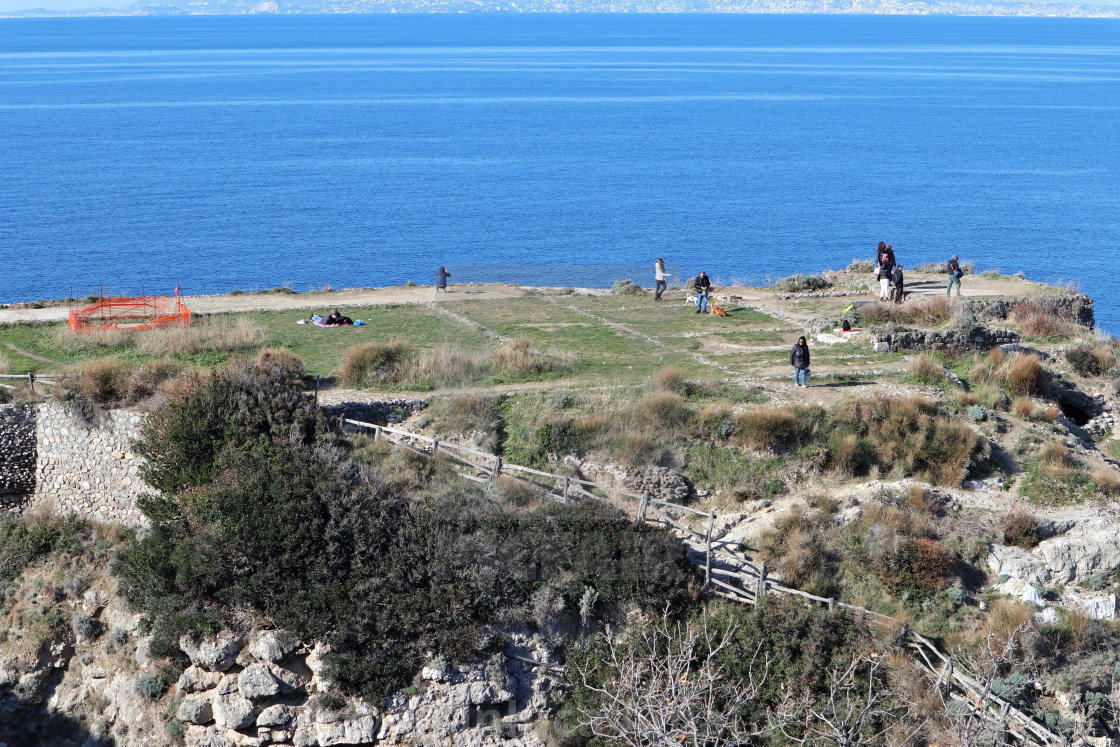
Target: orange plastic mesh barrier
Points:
x,y
137,312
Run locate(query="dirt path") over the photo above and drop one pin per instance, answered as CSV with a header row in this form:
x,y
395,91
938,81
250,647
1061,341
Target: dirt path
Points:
x,y
32,356
324,300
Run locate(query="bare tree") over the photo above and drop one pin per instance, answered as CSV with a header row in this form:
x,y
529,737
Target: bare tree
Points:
x,y
977,720
665,687
856,712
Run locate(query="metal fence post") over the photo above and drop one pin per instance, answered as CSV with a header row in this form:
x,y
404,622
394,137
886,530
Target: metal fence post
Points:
x,y
31,380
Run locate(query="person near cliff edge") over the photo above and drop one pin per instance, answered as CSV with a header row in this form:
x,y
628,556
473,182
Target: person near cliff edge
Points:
x,y
441,279
955,275
898,281
799,359
659,276
885,270
703,287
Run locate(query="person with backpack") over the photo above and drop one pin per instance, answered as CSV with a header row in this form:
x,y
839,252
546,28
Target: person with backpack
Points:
x,y
703,286
799,359
898,281
955,275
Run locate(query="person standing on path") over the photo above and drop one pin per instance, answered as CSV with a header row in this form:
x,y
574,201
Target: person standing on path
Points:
x,y
441,279
703,286
799,359
659,276
898,281
955,275
884,277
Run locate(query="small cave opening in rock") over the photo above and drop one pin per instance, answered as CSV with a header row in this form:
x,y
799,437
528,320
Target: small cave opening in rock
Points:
x,y
1074,412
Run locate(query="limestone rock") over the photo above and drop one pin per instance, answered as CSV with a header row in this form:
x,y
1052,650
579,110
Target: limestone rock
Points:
x,y
1018,563
360,730
233,711
257,682
273,645
196,709
277,715
196,680
213,653
1086,548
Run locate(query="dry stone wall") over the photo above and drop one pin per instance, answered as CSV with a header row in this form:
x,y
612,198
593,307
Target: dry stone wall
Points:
x,y
88,469
17,455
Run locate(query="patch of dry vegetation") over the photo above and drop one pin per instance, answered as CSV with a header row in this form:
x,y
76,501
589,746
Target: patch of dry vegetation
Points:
x,y
225,333
398,364
927,311
1044,318
1020,374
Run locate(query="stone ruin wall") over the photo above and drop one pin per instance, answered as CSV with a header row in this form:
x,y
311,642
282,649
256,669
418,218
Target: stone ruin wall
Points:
x,y
52,460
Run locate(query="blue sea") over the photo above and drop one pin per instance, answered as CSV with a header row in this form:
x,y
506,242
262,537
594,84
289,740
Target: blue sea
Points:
x,y
250,152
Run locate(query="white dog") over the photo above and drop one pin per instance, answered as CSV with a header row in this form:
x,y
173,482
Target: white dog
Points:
x,y
690,300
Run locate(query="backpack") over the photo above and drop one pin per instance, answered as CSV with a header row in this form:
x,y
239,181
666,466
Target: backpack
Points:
x,y
846,325
884,259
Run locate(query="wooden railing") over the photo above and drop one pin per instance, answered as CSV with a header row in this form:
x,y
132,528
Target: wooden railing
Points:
x,y
727,573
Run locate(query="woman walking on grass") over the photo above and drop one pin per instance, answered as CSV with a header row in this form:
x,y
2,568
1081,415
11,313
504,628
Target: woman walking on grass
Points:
x,y
799,359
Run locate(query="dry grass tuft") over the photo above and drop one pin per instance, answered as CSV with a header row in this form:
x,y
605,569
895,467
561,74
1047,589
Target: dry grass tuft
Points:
x,y
1025,375
1107,480
987,368
778,427
374,363
966,399
280,358
1021,529
926,369
671,379
1022,407
1006,619
5,366
662,411
928,311
1043,318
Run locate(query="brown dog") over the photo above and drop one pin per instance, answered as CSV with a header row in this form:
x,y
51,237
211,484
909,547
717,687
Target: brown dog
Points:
x,y
718,311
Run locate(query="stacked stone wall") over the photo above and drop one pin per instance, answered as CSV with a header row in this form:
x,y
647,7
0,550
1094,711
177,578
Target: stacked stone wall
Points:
x,y
17,455
1077,307
954,341
88,469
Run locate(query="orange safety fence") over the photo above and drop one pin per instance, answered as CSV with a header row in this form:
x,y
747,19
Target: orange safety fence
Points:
x,y
131,313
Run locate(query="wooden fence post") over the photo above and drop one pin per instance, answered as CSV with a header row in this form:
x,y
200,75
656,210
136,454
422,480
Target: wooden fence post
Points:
x,y
708,559
497,468
832,604
760,592
435,447
567,484
642,509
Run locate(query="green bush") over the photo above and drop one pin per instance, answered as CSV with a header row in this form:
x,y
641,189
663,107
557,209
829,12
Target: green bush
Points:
x,y
390,558
800,283
627,287
1021,529
24,541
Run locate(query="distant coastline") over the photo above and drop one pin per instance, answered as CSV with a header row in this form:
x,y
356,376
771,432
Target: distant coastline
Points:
x,y
1007,8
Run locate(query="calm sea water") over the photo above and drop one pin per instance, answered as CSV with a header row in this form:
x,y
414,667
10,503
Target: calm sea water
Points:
x,y
250,152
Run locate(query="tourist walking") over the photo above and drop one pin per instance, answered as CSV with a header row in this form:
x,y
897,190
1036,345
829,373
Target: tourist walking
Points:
x,y
441,279
799,359
898,281
703,286
955,275
659,276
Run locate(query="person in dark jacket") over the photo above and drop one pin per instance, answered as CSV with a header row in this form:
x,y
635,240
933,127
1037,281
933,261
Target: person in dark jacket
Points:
x,y
955,275
884,276
898,281
441,279
799,359
703,287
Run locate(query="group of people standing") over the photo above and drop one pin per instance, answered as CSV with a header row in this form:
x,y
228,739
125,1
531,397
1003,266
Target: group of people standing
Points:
x,y
892,282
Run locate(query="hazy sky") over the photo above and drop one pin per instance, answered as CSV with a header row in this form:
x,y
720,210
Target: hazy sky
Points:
x,y
8,5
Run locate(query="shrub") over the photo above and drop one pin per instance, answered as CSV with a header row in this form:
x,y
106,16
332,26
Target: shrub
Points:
x,y
519,360
800,283
373,363
1025,375
281,358
1092,360
926,370
85,627
661,411
928,311
920,567
627,288
1042,318
1107,480
466,413
24,540
151,686
672,379
861,265
1021,529
779,427
272,517
799,548
1023,408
